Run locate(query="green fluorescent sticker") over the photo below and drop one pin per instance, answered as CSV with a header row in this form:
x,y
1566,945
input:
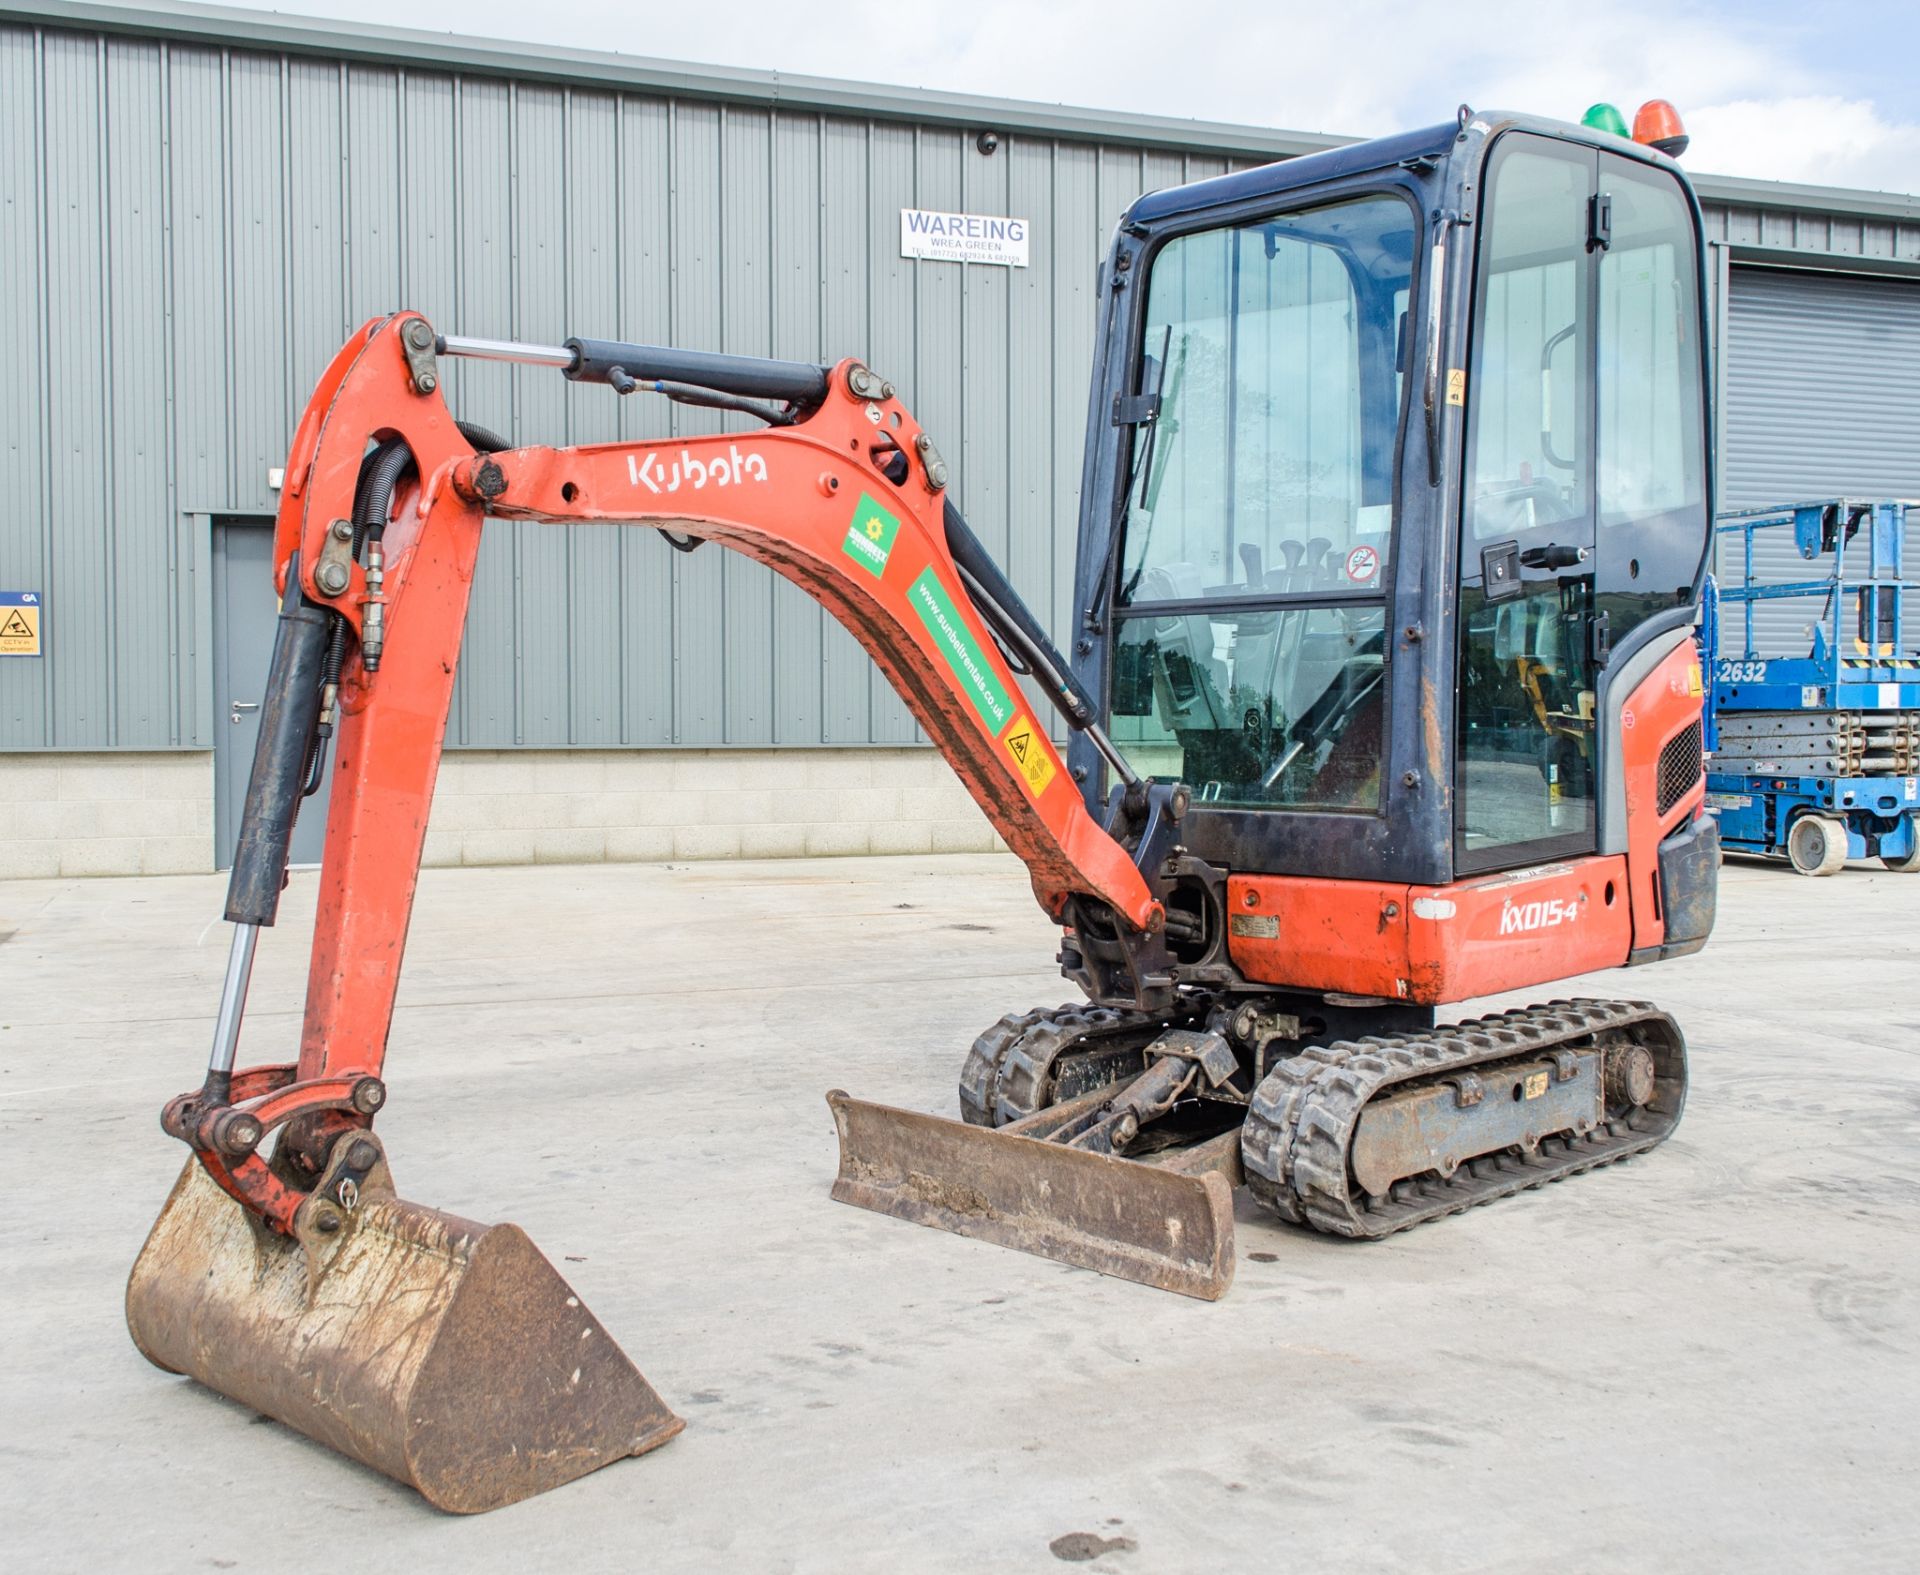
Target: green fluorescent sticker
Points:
x,y
930,600
870,537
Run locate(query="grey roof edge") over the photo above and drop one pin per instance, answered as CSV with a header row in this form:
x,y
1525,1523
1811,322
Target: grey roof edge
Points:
x,y
1736,191
272,30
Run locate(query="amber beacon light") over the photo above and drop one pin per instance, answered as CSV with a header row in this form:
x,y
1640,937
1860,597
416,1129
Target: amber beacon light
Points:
x,y
1657,124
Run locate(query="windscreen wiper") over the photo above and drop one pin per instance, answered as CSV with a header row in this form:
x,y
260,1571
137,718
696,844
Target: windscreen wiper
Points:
x,y
1142,409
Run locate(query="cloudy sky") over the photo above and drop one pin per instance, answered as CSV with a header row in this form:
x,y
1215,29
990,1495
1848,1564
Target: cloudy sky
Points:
x,y
1804,90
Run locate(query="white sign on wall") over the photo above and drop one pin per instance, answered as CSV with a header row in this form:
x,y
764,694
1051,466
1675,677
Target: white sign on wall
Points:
x,y
963,237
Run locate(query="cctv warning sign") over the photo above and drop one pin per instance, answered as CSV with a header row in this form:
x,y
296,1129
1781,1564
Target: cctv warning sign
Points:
x,y
19,623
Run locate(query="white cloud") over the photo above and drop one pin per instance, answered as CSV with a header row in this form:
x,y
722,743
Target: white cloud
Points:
x,y
1362,68
1828,141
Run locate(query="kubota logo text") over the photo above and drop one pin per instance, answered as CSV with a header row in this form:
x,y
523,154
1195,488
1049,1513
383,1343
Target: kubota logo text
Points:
x,y
723,470
1516,918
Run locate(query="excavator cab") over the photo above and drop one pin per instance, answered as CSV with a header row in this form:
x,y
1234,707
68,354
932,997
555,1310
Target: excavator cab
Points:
x,y
1379,694
1397,462
1395,511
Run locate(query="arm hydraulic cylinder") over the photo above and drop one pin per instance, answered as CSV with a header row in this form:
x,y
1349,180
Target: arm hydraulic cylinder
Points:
x,y
289,720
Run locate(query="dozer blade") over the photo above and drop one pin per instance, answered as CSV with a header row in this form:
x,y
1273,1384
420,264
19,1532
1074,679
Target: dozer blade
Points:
x,y
1166,1225
449,1355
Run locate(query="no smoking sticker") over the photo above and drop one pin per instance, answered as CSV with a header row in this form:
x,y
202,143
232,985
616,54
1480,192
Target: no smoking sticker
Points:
x,y
1363,563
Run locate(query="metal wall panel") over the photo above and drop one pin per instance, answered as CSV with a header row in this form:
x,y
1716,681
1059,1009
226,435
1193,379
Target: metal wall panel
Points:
x,y
188,230
79,633
1870,239
225,217
1821,396
26,515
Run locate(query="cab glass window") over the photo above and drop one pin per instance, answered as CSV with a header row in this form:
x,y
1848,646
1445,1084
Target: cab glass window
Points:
x,y
1250,619
1274,348
1650,453
1282,706
1531,445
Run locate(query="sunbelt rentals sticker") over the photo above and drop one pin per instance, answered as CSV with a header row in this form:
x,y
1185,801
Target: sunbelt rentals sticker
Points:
x,y
956,643
869,539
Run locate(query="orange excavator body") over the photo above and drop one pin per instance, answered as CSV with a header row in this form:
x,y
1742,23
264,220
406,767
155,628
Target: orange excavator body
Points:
x,y
1227,986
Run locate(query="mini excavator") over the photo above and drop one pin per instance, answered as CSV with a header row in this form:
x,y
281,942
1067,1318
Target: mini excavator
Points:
x,y
1379,696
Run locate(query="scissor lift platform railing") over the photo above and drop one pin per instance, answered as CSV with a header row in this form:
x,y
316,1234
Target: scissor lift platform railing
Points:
x,y
1813,728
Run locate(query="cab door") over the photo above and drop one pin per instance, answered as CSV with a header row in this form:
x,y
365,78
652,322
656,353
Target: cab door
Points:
x,y
1531,636
1585,507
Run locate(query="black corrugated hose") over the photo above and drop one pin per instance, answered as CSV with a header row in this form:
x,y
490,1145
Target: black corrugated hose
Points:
x,y
380,473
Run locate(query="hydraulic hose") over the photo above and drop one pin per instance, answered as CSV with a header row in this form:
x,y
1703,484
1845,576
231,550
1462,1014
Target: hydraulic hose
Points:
x,y
373,502
483,439
391,460
1011,618
381,473
1021,636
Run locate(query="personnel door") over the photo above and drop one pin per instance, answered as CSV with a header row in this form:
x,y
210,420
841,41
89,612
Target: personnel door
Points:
x,y
1584,506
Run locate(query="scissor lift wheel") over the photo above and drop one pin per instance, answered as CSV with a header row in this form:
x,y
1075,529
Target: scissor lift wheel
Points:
x,y
1817,845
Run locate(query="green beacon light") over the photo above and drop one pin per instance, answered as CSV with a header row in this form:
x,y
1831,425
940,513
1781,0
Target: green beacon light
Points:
x,y
1604,117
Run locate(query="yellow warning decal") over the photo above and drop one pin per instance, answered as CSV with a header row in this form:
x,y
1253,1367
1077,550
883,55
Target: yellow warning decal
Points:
x,y
1456,386
19,623
1032,754
1536,1084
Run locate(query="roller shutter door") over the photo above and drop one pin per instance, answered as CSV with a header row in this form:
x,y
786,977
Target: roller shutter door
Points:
x,y
1822,398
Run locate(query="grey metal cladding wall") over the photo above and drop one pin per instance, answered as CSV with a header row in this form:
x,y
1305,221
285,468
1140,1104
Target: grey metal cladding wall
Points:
x,y
1807,230
89,450
1821,401
187,234
1821,392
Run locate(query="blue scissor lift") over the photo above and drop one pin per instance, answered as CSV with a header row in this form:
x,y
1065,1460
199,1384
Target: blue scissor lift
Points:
x,y
1814,754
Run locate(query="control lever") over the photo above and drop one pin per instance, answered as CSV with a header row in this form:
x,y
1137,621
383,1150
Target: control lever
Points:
x,y
1250,560
1553,556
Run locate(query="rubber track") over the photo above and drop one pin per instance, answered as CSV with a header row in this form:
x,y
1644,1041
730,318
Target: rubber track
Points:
x,y
1008,1073
1299,1131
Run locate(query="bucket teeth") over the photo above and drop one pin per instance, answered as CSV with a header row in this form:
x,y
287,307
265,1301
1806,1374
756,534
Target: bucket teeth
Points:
x,y
449,1355
1158,1225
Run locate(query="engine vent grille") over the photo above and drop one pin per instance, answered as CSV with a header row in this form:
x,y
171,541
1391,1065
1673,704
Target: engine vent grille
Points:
x,y
1680,768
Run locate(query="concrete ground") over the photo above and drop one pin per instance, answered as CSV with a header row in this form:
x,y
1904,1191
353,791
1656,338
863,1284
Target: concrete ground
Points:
x,y
1707,1358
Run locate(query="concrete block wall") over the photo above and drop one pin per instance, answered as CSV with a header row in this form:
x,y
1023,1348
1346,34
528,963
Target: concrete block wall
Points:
x,y
584,806
152,814
105,814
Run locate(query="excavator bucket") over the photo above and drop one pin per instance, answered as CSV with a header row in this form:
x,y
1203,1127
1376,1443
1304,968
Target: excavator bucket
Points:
x,y
449,1355
1163,1221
